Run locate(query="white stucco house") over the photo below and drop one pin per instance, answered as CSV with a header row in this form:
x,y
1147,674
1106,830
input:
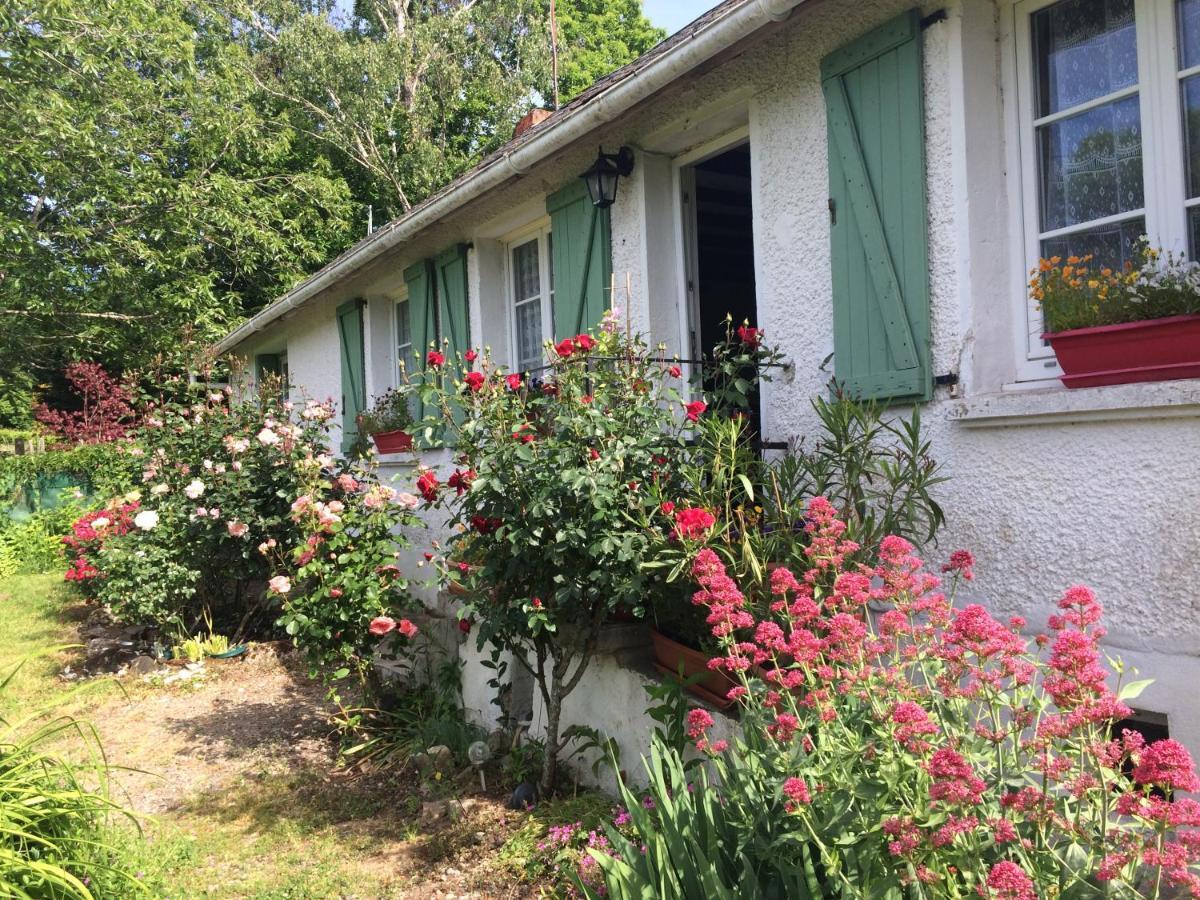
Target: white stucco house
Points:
x,y
870,183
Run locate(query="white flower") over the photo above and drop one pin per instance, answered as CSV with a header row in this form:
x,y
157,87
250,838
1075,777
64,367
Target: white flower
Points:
x,y
146,519
100,522
160,489
237,466
280,584
208,464
316,412
194,489
266,437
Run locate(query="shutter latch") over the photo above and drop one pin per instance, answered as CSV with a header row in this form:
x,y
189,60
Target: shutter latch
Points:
x,y
832,212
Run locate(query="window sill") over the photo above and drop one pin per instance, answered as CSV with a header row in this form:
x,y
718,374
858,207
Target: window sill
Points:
x,y
404,460
1057,405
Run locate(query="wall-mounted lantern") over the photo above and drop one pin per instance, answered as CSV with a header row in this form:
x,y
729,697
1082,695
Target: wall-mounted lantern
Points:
x,y
602,177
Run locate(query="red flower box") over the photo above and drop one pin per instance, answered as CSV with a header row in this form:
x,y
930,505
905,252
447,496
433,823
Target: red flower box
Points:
x,y
1153,350
393,441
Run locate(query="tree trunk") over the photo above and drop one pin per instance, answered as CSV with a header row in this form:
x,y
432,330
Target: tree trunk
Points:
x,y
553,712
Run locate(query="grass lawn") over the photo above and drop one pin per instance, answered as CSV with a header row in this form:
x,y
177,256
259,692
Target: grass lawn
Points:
x,y
235,779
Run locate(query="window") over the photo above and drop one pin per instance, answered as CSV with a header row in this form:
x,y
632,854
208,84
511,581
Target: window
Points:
x,y
1109,113
404,342
532,283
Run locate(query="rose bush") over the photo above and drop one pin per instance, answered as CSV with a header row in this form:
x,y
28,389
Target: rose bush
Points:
x,y
553,477
923,750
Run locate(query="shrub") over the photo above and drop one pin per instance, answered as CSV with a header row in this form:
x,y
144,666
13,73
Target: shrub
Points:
x,y
105,407
35,545
925,750
553,480
341,587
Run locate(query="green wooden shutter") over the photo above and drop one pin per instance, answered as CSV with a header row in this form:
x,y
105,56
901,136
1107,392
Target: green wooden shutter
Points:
x,y
453,304
873,97
421,316
354,390
582,259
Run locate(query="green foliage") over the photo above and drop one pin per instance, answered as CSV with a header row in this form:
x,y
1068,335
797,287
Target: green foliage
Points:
x,y
147,190
55,813
391,412
35,545
598,36
692,840
424,715
16,403
33,478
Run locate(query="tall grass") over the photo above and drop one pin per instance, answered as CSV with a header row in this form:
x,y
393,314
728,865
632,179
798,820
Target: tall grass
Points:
x,y
56,839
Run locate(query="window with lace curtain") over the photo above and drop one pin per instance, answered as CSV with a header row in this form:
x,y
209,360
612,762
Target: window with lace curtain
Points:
x,y
1109,94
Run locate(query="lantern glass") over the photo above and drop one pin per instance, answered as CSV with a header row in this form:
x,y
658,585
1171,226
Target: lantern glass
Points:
x,y
602,178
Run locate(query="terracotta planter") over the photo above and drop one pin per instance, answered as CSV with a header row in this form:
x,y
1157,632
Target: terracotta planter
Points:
x,y
1154,350
393,441
715,684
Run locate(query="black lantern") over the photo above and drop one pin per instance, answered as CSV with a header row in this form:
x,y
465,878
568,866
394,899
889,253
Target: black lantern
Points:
x,y
602,177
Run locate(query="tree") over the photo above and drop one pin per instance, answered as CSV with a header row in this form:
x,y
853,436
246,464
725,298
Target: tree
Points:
x,y
598,36
142,190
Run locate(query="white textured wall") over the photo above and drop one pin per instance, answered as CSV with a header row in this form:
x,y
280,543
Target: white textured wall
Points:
x,y
1056,487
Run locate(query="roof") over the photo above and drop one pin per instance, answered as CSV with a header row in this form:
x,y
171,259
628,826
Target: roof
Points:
x,y
717,29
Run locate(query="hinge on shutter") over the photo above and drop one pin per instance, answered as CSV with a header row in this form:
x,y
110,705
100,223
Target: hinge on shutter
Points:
x,y
947,379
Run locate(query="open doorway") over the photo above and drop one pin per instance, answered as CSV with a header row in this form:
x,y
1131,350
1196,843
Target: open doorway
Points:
x,y
718,218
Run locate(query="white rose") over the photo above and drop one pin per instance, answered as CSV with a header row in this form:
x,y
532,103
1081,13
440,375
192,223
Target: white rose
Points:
x,y
267,437
100,522
194,489
159,489
146,519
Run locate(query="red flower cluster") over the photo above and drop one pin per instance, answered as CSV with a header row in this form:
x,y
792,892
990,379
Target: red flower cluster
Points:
x,y
428,484
583,342
692,523
474,381
435,359
87,537
749,336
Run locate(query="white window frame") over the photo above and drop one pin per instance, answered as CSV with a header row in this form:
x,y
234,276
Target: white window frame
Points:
x,y
1163,176
398,354
539,232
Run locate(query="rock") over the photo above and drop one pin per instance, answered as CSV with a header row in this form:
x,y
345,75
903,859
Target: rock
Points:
x,y
441,757
436,810
143,665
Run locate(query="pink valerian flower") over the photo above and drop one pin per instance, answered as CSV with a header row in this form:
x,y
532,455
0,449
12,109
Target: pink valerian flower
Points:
x,y
1008,881
1077,676
698,723
961,563
905,835
692,523
913,725
954,781
797,794
1166,764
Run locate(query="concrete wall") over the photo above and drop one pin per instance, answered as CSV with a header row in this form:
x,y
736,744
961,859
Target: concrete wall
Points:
x,y
1048,487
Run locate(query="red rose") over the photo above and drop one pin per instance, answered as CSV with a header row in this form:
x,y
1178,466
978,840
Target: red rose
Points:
x,y
514,382
470,356
693,522
434,358
565,347
537,604
474,380
381,625
668,507
428,557
586,399
585,342
427,484
464,625
407,628
695,409
674,371
461,481
593,453
750,336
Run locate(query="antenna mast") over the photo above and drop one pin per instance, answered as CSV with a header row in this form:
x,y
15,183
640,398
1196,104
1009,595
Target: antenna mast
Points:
x,y
554,50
